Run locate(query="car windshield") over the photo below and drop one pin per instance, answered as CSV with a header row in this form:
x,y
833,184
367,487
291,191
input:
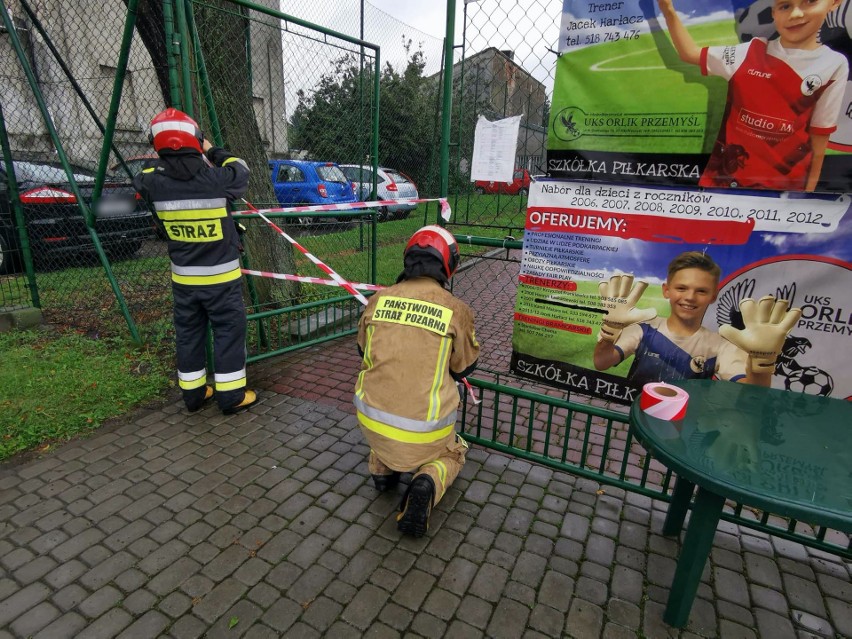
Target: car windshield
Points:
x,y
355,173
47,174
331,173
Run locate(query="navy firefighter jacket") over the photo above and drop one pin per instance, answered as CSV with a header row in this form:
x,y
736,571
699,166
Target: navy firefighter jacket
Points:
x,y
192,206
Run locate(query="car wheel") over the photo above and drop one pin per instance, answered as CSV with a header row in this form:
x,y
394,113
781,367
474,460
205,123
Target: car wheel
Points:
x,y
123,251
522,192
306,220
479,190
7,256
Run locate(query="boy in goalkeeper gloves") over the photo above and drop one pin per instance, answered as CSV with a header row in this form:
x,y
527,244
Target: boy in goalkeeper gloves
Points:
x,y
679,347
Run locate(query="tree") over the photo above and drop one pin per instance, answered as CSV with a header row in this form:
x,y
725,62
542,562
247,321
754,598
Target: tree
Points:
x,y
343,101
222,29
223,40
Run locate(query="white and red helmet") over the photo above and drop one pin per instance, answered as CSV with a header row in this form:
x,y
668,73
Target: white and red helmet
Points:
x,y
173,129
439,242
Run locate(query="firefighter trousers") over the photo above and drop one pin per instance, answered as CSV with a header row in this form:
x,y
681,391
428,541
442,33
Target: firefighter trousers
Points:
x,y
443,469
222,306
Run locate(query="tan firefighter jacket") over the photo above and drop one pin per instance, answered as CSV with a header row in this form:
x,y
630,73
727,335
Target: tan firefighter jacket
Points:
x,y
413,334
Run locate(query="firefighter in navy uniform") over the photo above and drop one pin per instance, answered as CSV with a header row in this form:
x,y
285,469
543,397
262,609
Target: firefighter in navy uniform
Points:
x,y
190,199
417,340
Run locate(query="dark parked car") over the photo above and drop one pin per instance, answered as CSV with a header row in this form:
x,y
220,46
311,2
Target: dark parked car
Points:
x,y
55,225
134,165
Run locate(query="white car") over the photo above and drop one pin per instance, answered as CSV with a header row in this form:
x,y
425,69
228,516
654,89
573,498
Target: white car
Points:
x,y
390,184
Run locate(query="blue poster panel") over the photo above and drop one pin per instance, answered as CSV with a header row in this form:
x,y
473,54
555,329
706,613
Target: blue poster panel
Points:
x,y
710,93
579,234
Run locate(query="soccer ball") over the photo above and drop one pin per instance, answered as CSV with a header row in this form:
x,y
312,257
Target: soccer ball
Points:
x,y
810,380
755,21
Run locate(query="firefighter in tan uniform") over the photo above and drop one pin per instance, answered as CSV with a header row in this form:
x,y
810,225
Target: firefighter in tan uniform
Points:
x,y
417,341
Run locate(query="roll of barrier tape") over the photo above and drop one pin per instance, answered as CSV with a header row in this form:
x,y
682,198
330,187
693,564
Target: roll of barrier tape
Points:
x,y
663,401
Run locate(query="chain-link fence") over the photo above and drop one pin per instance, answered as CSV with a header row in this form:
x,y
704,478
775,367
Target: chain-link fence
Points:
x,y
76,108
63,221
313,94
506,68
74,238
409,124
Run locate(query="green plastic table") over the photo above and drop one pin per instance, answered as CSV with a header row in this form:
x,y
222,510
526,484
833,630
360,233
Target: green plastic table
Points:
x,y
783,452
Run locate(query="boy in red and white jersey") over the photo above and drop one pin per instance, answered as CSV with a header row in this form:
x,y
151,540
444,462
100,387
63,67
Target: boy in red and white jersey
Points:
x,y
783,100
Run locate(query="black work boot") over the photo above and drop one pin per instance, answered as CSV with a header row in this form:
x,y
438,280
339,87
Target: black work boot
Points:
x,y
386,482
199,402
249,399
416,507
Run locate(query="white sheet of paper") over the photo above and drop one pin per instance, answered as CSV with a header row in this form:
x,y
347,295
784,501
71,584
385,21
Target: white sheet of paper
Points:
x,y
494,146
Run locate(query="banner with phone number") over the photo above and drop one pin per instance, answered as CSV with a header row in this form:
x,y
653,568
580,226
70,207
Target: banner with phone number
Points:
x,y
626,108
793,246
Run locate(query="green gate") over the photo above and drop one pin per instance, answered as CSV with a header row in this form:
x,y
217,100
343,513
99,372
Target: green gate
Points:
x,y
80,98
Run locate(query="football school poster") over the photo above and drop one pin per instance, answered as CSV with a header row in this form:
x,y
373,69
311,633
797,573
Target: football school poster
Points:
x,y
626,108
793,246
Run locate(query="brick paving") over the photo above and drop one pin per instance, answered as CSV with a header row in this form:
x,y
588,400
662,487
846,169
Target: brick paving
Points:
x,y
264,524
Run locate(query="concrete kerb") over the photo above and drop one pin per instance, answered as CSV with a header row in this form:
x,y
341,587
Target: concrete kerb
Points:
x,y
19,318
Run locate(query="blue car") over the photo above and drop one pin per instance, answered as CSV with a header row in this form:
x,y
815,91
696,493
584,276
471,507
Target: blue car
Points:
x,y
302,182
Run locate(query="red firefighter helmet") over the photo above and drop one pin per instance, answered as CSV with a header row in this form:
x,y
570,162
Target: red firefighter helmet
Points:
x,y
439,242
173,129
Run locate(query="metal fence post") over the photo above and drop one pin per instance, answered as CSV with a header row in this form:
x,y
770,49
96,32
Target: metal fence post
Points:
x,y
185,73
115,102
17,211
448,98
63,158
172,52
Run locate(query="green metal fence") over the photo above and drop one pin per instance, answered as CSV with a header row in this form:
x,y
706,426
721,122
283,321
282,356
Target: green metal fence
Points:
x,y
595,442
505,72
77,106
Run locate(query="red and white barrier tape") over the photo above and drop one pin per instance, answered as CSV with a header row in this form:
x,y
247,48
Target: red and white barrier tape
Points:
x,y
311,280
337,280
471,392
322,265
446,212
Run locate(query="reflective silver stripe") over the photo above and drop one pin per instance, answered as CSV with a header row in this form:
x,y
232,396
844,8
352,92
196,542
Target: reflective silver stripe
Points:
x,y
444,233
216,269
404,423
182,205
229,377
172,125
194,375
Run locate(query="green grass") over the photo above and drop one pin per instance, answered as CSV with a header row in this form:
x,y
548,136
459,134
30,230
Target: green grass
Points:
x,y
81,296
56,388
60,385
499,214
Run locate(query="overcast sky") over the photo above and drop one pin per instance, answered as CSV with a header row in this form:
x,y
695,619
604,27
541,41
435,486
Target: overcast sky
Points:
x,y
428,16
529,28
